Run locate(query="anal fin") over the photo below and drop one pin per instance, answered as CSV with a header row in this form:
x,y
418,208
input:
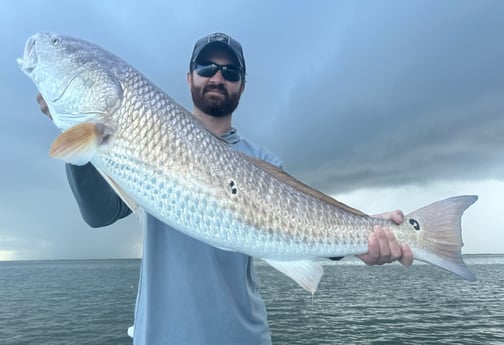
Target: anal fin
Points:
x,y
306,273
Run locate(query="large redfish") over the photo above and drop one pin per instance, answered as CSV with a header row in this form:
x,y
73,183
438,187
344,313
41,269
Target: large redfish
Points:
x,y
162,160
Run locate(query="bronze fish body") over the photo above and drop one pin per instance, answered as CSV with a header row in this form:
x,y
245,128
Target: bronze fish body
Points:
x,y
160,159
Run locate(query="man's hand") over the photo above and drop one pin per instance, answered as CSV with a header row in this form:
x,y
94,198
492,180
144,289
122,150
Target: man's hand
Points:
x,y
43,105
383,247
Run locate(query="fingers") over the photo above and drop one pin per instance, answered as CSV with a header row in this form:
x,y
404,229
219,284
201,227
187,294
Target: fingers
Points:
x,y
396,216
373,254
407,255
383,248
43,105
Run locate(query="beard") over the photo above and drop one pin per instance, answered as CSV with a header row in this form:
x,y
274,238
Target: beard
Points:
x,y
214,105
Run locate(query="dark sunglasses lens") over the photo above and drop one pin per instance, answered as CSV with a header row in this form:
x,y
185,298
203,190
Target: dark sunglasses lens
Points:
x,y
231,74
207,71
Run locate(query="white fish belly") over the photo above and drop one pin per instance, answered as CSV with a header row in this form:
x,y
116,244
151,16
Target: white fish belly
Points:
x,y
193,210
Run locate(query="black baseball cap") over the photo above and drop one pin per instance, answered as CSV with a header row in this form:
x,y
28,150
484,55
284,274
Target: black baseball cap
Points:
x,y
223,40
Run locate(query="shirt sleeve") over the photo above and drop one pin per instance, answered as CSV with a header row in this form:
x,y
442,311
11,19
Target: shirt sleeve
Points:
x,y
99,205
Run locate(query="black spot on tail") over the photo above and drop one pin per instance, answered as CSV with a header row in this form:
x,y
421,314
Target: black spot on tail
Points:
x,y
414,223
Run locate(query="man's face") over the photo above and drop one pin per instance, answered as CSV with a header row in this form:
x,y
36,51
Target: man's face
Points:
x,y
215,95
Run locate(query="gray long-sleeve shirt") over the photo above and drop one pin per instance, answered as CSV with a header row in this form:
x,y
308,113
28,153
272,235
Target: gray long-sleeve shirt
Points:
x,y
189,292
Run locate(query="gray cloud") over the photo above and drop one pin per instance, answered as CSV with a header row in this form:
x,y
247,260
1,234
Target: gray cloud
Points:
x,y
350,94
422,103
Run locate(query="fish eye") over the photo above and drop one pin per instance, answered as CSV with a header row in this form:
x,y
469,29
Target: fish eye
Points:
x,y
56,41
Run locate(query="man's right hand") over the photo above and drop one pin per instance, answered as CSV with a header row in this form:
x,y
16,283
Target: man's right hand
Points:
x,y
43,105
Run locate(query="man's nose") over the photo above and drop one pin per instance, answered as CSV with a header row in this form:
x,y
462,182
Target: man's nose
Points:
x,y
217,78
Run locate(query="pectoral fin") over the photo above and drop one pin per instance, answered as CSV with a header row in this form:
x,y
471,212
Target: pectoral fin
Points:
x,y
78,144
306,273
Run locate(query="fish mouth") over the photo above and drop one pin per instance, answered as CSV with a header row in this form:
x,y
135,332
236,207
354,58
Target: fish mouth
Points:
x,y
29,60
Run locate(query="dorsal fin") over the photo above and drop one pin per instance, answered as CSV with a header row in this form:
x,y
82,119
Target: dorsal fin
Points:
x,y
285,177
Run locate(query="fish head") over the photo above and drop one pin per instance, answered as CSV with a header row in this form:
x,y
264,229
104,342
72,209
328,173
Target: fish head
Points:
x,y
79,81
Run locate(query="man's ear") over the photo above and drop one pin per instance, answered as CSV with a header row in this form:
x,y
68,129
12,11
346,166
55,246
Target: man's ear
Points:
x,y
242,87
189,78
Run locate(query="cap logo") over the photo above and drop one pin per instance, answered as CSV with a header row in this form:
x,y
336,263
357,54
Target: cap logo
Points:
x,y
219,37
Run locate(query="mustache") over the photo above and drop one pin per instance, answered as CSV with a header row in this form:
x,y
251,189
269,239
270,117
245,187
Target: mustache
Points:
x,y
216,87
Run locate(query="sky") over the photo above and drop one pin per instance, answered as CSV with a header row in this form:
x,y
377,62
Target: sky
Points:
x,y
383,105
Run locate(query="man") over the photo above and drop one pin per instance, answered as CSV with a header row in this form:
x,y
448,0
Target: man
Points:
x,y
190,292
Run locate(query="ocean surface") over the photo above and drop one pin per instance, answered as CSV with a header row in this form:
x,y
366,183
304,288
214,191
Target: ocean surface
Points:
x,y
92,302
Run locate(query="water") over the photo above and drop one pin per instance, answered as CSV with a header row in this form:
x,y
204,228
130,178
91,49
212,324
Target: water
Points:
x,y
356,304
92,302
67,302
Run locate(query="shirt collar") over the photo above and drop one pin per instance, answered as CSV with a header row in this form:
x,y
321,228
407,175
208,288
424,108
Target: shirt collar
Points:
x,y
232,136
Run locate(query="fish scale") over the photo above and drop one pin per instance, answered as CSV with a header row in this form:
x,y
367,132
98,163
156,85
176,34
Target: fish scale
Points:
x,y
162,160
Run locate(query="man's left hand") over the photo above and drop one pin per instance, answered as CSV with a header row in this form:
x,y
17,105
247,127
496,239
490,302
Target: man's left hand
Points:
x,y
383,246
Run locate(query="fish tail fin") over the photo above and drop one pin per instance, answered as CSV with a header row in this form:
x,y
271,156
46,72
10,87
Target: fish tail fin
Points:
x,y
439,227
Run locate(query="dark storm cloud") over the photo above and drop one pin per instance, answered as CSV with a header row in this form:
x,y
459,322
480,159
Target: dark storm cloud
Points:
x,y
349,94
411,96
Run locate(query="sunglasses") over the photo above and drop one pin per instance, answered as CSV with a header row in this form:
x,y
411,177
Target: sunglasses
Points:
x,y
229,72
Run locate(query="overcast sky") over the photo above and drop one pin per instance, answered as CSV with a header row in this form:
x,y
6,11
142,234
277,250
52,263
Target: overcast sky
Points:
x,y
382,104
